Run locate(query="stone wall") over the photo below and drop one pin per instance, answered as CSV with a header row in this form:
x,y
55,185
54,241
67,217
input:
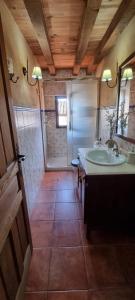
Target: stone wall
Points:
x,y
56,137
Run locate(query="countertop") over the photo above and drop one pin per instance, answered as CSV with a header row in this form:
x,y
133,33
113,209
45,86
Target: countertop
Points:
x,y
94,169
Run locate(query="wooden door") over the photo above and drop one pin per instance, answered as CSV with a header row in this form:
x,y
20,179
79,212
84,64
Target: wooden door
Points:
x,y
15,237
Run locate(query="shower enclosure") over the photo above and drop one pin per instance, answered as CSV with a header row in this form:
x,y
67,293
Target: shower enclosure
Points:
x,y
80,131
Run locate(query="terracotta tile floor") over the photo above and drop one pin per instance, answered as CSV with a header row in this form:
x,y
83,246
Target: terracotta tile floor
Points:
x,y
65,265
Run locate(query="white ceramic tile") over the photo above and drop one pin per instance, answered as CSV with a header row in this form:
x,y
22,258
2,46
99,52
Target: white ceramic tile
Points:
x,y
30,144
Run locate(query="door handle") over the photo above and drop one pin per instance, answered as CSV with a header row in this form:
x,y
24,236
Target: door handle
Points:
x,y
21,157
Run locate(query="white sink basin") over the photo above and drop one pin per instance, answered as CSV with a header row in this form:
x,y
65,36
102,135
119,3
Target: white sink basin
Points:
x,y
105,157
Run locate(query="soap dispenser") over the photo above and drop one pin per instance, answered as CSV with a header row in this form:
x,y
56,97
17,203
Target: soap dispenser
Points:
x,y
97,143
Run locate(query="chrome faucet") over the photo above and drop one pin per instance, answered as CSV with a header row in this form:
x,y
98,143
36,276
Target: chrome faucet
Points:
x,y
116,150
111,143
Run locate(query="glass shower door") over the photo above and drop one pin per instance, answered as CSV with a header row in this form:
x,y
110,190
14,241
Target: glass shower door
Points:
x,y
82,112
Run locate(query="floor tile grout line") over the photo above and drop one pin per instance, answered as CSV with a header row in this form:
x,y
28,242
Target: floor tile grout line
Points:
x,y
57,220
80,232
51,220
49,268
54,210
46,202
56,247
96,289
56,190
87,276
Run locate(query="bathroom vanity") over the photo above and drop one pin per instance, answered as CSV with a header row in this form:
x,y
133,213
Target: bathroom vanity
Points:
x,y
107,194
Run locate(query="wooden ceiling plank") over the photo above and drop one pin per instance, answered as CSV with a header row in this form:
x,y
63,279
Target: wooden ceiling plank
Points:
x,y
35,12
116,19
90,14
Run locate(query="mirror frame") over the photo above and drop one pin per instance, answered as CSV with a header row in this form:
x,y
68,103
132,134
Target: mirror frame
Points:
x,y
127,139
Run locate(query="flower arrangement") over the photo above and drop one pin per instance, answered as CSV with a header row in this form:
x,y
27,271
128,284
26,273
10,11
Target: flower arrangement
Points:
x,y
123,117
111,118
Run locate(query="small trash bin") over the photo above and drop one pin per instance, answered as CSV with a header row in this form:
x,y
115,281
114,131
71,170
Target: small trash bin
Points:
x,y
75,164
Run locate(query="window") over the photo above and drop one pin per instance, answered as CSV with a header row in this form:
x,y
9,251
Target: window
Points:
x,y
61,111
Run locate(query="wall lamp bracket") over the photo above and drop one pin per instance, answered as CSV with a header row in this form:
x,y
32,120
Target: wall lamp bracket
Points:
x,y
126,76
111,86
24,71
12,77
36,74
107,77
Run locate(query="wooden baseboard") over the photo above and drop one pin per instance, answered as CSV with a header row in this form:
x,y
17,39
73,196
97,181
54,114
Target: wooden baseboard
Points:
x,y
20,293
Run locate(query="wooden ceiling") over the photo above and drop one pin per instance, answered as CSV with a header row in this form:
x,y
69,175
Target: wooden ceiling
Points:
x,y
71,33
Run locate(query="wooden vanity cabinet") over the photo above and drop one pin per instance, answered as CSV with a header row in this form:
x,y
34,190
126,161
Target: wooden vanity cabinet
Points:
x,y
108,201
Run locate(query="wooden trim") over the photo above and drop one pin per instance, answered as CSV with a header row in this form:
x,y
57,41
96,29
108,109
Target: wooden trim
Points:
x,y
116,19
35,12
89,18
124,63
118,99
127,139
21,290
98,108
127,60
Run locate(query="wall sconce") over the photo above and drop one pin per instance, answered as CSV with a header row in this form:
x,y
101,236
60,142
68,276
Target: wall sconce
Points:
x,y
12,76
127,74
36,74
107,76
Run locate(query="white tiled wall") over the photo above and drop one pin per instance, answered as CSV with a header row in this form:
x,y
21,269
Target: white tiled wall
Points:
x,y
56,137
30,143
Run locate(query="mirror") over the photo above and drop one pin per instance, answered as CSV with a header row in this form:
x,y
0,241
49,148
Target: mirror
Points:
x,y
126,101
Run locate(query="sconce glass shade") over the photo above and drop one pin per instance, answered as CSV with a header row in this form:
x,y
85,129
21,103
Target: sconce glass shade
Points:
x,y
107,75
127,74
36,74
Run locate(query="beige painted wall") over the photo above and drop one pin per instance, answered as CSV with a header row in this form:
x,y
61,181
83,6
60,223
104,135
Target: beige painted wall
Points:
x,y
124,47
18,49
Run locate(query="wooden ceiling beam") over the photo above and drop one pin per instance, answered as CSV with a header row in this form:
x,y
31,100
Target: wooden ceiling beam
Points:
x,y
90,66
35,12
101,56
89,18
76,69
116,19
